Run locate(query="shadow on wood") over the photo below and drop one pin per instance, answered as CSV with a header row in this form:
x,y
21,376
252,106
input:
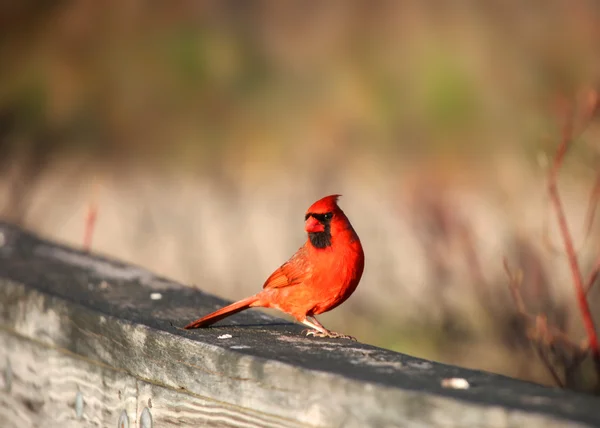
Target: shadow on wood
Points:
x,y
88,341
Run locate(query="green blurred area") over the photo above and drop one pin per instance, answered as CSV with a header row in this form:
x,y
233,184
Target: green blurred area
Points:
x,y
199,119
183,81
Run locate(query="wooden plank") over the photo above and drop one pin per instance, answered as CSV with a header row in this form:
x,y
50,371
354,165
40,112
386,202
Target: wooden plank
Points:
x,y
45,384
100,313
49,387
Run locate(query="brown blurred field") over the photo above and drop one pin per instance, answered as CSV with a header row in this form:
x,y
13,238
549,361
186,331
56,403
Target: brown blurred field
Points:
x,y
203,130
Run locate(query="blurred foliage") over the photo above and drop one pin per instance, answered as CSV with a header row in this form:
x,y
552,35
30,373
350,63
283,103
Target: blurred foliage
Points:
x,y
182,80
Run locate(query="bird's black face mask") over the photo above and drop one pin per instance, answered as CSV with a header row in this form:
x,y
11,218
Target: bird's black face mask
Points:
x,y
321,239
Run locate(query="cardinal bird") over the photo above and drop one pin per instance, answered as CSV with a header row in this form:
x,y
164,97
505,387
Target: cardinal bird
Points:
x,y
322,274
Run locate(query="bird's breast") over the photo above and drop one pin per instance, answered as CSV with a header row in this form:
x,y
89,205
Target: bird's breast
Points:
x,y
336,277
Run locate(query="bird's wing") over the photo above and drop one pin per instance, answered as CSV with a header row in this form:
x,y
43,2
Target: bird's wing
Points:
x,y
292,272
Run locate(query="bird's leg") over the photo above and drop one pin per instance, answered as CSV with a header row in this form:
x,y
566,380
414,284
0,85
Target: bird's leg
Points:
x,y
318,330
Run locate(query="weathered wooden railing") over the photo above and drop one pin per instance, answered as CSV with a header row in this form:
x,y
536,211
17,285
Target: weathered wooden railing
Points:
x,y
87,341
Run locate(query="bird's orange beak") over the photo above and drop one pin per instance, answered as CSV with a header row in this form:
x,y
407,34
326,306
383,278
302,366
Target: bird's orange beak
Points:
x,y
312,225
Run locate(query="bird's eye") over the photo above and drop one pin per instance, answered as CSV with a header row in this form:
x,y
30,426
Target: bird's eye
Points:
x,y
328,216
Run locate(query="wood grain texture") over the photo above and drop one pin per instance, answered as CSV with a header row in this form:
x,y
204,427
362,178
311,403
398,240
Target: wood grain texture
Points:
x,y
45,383
72,322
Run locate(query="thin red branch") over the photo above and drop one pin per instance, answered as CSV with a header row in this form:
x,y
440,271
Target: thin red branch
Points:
x,y
90,217
592,205
568,241
589,219
90,223
589,106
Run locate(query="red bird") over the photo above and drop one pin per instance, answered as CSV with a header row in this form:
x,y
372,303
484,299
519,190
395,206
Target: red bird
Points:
x,y
322,274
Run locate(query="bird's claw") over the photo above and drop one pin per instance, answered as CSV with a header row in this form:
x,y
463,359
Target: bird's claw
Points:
x,y
328,334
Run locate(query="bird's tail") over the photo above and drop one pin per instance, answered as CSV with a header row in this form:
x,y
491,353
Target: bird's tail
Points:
x,y
234,308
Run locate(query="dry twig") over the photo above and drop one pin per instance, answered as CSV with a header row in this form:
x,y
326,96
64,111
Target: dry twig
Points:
x,y
580,291
90,219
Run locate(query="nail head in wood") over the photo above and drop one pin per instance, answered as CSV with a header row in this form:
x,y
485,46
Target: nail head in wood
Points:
x,y
79,405
146,418
123,420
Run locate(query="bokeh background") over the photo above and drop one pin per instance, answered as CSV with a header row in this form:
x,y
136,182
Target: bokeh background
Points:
x,y
202,130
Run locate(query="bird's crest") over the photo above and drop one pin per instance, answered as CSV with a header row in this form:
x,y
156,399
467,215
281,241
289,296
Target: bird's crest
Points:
x,y
324,205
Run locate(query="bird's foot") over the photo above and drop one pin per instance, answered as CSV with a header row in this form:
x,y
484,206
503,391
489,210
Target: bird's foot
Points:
x,y
328,334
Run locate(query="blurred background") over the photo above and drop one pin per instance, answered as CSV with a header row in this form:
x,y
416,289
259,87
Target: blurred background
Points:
x,y
202,130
